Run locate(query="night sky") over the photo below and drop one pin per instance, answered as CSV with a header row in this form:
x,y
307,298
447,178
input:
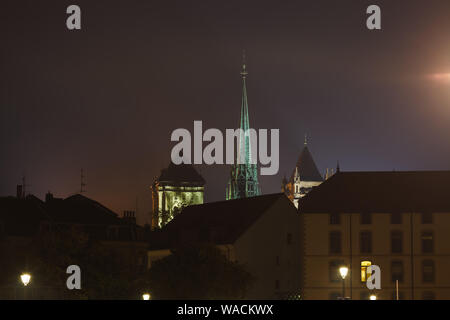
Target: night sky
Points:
x,y
107,98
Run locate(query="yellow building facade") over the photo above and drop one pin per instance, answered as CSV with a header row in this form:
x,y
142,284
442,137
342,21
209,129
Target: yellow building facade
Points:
x,y
386,219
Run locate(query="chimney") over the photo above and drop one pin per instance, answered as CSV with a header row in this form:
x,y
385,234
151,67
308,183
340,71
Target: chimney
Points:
x,y
19,191
129,216
48,196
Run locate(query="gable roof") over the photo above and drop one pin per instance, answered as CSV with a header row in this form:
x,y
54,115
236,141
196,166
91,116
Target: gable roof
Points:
x,y
182,173
404,191
306,167
81,210
20,217
23,216
222,222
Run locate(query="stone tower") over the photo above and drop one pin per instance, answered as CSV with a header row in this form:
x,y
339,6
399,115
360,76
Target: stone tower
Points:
x,y
304,177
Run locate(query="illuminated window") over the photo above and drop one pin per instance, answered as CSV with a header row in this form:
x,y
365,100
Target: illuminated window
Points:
x,y
365,274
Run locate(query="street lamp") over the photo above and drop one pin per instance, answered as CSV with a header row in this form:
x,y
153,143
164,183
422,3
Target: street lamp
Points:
x,y
343,271
373,297
25,278
146,296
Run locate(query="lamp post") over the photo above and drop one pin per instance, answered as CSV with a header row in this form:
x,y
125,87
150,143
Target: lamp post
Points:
x,y
25,278
343,271
146,296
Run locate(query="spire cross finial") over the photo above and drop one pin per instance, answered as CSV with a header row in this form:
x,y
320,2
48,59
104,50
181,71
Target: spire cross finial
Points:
x,y
244,71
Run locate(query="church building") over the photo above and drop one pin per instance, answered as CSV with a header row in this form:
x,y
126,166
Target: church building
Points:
x,y
178,186
243,181
304,177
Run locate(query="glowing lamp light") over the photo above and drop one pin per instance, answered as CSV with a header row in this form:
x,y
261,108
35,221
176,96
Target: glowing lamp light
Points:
x,y
146,296
373,297
343,271
25,278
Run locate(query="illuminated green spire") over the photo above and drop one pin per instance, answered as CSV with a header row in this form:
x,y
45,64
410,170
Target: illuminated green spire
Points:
x,y
243,180
244,141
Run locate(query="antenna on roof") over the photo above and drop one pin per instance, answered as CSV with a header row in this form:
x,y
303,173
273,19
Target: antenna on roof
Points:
x,y
82,183
136,210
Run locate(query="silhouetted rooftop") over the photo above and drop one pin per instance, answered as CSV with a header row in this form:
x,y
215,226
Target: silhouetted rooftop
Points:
x,y
218,222
182,173
418,191
24,216
307,168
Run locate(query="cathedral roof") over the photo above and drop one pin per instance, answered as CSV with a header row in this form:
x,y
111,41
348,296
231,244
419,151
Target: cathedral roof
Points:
x,y
220,222
307,168
182,173
383,192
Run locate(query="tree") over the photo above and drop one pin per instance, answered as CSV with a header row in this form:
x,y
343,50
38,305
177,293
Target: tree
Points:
x,y
197,272
104,272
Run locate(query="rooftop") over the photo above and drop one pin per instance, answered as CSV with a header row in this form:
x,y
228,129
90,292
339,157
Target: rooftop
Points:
x,y
221,222
383,191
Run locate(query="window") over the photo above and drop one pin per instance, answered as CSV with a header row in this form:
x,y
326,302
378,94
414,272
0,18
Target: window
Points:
x,y
401,295
365,295
335,218
396,242
397,270
335,295
428,271
427,217
396,218
427,242
335,242
366,242
428,295
365,273
289,238
335,276
366,218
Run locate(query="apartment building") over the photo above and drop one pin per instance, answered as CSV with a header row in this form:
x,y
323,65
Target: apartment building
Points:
x,y
399,221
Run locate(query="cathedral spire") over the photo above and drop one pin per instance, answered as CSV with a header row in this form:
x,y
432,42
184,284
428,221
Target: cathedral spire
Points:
x,y
243,180
244,139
